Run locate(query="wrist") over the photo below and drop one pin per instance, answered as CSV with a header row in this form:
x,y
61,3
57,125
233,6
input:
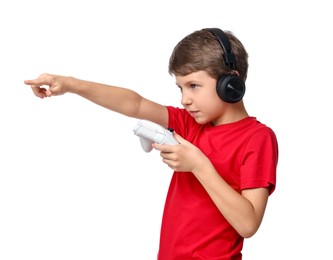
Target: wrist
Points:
x,y
202,167
73,85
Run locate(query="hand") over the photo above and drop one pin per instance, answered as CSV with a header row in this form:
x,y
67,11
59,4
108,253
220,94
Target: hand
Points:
x,y
55,83
183,157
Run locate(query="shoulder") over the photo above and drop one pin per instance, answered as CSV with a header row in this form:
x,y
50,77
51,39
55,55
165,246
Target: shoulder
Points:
x,y
262,131
181,121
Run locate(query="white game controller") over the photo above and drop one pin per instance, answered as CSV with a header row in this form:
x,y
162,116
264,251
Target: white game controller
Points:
x,y
150,133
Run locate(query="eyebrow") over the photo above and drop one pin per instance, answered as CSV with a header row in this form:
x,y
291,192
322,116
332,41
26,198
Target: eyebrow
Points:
x,y
189,83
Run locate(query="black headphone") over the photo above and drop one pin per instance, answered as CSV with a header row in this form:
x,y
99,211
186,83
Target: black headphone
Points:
x,y
230,88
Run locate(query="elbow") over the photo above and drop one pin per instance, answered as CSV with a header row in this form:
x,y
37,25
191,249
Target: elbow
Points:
x,y
248,231
247,234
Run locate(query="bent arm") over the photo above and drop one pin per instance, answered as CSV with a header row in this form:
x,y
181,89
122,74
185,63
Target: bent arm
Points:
x,y
243,211
117,99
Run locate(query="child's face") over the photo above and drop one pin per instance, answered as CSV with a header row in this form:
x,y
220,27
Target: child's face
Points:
x,y
199,97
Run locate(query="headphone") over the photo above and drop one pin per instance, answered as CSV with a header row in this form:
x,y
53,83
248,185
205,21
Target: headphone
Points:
x,y
230,88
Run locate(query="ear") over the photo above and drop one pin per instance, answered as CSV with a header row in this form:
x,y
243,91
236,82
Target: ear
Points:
x,y
234,73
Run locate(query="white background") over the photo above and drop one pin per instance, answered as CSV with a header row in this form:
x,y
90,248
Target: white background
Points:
x,y
74,181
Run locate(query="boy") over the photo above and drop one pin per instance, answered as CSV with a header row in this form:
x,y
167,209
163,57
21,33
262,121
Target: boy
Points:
x,y
225,164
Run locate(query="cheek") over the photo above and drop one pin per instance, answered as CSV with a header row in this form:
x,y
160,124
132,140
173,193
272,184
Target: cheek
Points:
x,y
212,99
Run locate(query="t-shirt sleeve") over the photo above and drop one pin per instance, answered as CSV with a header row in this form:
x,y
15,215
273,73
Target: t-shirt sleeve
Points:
x,y
180,121
260,159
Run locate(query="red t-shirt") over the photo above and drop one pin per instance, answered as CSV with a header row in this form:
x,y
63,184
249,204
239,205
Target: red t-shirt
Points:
x,y
245,154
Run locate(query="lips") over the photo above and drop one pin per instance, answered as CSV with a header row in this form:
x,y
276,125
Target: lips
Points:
x,y
193,113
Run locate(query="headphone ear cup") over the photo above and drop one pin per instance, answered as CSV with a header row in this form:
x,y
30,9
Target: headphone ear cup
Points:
x,y
230,88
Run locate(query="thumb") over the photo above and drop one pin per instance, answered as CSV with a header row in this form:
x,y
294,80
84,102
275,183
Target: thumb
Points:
x,y
179,138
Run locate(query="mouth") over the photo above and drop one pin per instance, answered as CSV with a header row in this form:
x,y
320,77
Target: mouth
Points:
x,y
193,113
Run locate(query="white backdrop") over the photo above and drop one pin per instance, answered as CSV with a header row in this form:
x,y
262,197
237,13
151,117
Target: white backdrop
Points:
x,y
74,181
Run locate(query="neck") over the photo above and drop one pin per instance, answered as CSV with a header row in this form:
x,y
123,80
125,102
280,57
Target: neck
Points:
x,y
232,113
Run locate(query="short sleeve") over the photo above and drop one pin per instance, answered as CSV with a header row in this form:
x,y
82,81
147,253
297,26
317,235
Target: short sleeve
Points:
x,y
259,162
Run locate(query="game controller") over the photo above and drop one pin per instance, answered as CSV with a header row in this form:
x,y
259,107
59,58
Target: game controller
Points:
x,y
150,133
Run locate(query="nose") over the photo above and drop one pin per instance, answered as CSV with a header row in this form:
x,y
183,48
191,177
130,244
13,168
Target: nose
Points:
x,y
186,99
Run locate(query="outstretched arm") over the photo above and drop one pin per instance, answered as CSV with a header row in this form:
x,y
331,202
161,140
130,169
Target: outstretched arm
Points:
x,y
117,99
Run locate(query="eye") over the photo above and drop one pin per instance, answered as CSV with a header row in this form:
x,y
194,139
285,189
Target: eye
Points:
x,y
193,85
180,88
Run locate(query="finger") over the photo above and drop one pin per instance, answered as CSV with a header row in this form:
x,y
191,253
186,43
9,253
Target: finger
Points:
x,y
164,148
179,138
49,93
158,147
167,156
172,164
35,82
41,80
39,92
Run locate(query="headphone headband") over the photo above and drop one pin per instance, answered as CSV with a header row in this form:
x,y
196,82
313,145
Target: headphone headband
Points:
x,y
228,56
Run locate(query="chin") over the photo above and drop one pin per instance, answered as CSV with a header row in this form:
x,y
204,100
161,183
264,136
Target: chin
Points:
x,y
202,121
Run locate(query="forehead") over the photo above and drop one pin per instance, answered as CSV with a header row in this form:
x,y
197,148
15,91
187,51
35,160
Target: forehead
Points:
x,y
194,77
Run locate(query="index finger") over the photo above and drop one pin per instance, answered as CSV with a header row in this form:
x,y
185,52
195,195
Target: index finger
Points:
x,y
165,148
41,80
